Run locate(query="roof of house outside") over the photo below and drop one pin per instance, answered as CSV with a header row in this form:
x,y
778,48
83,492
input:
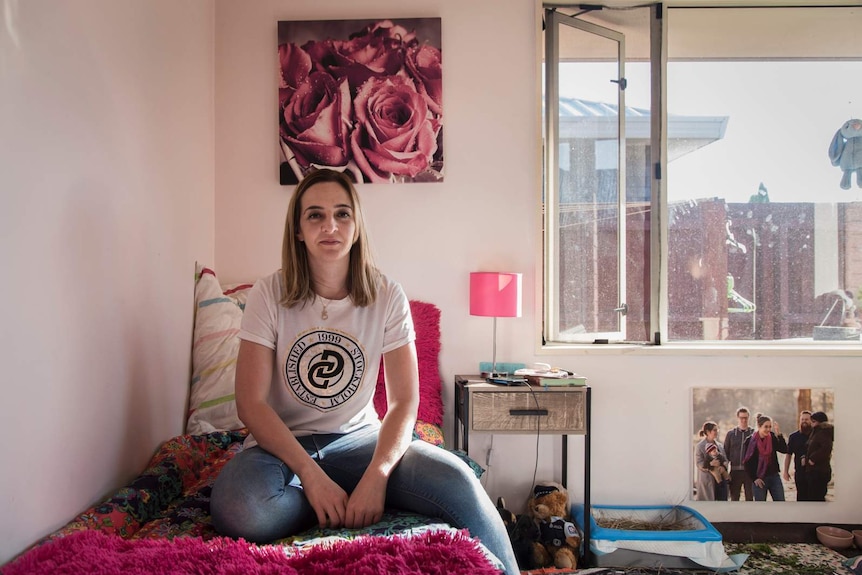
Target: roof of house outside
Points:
x,y
587,119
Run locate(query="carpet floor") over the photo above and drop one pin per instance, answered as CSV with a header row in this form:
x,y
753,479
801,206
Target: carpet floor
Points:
x,y
763,559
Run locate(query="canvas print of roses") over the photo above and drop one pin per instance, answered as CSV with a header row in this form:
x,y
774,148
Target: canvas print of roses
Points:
x,y
362,96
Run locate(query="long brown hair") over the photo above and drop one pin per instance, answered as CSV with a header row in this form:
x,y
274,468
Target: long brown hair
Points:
x,y
362,275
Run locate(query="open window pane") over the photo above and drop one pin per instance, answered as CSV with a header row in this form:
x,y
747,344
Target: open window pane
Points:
x,y
598,273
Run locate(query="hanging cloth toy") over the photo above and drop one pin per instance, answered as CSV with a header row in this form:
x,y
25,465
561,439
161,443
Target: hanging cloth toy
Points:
x,y
845,151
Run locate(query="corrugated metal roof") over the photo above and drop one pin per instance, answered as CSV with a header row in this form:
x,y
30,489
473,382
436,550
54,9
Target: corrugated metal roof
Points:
x,y
581,118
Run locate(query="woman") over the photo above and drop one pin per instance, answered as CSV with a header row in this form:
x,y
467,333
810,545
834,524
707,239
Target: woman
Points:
x,y
761,458
312,338
708,489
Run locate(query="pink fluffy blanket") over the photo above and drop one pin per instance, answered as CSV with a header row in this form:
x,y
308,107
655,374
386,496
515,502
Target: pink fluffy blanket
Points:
x,y
93,552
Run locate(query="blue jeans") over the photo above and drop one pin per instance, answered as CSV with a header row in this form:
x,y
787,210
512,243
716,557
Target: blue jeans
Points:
x,y
257,497
772,484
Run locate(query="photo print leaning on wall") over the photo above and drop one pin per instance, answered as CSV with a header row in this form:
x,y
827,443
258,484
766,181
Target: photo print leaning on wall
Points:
x,y
794,452
361,96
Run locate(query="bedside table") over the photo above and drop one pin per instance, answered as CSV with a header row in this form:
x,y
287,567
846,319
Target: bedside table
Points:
x,y
526,410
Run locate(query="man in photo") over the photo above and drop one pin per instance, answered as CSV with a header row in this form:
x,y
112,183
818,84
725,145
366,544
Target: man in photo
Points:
x,y
797,445
733,441
818,457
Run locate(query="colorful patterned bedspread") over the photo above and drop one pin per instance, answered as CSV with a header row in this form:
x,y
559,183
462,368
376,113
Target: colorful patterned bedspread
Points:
x,y
171,497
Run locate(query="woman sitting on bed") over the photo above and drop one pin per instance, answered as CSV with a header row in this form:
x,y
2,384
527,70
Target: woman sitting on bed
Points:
x,y
313,334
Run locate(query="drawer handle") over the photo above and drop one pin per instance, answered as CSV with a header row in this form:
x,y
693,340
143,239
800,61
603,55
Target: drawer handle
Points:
x,y
528,412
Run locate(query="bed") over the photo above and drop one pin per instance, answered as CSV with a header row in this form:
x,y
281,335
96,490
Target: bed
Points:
x,y
160,523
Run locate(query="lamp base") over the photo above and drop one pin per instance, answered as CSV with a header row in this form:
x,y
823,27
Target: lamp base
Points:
x,y
487,374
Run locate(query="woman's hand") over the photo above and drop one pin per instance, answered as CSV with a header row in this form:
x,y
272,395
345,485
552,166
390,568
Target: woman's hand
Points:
x,y
366,503
253,381
328,500
760,483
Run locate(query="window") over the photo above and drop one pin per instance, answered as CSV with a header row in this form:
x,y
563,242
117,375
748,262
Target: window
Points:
x,y
710,208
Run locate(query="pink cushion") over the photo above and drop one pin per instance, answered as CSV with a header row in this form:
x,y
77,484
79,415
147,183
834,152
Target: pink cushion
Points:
x,y
426,322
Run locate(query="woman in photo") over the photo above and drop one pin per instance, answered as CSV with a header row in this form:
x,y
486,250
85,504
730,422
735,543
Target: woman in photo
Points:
x,y
761,458
710,460
312,338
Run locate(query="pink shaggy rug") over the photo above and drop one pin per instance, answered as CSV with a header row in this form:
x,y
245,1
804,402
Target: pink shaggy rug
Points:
x,y
93,552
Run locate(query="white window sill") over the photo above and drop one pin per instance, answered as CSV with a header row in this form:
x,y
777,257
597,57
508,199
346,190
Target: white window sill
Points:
x,y
795,347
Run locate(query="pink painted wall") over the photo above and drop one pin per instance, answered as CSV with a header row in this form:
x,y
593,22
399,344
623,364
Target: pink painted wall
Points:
x,y
106,201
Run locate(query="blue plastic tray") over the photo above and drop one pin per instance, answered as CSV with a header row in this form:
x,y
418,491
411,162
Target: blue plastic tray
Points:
x,y
704,531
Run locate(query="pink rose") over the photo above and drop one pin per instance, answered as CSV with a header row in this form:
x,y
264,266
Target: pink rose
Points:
x,y
294,67
393,135
387,29
425,64
315,121
377,50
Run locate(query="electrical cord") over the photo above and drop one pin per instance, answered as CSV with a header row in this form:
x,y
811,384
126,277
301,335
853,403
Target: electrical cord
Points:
x,y
484,480
538,435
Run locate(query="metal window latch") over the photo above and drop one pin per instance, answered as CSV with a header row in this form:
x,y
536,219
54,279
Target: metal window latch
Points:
x,y
623,309
622,82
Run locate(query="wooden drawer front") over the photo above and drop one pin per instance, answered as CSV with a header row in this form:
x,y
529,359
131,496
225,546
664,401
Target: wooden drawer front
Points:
x,y
491,411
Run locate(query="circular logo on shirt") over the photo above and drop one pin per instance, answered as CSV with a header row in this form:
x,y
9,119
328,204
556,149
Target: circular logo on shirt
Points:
x,y
324,368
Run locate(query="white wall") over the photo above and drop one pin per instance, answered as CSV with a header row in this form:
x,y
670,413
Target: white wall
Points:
x,y
106,201
485,217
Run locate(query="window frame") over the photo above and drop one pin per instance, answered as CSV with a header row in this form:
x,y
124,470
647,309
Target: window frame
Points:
x,y
658,264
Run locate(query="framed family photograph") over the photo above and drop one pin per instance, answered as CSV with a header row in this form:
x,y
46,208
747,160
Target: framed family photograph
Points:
x,y
363,97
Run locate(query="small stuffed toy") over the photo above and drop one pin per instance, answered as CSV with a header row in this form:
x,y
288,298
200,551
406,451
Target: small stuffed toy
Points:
x,y
845,151
559,540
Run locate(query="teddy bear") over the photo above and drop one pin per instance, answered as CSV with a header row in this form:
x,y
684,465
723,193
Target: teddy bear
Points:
x,y
559,540
845,151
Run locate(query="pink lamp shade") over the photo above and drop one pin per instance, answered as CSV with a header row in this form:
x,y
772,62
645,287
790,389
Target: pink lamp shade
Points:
x,y
495,294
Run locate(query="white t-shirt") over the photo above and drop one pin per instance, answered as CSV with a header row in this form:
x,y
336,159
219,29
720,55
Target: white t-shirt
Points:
x,y
325,371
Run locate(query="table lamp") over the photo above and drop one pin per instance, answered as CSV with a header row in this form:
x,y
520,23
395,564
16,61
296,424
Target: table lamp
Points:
x,y
495,294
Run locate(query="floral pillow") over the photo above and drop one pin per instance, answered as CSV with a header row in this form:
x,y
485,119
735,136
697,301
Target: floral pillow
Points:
x,y
218,313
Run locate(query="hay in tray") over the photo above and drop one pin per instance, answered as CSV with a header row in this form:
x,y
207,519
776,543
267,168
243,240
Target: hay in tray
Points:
x,y
670,521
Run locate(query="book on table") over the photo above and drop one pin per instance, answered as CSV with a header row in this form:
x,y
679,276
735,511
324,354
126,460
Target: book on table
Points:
x,y
571,379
